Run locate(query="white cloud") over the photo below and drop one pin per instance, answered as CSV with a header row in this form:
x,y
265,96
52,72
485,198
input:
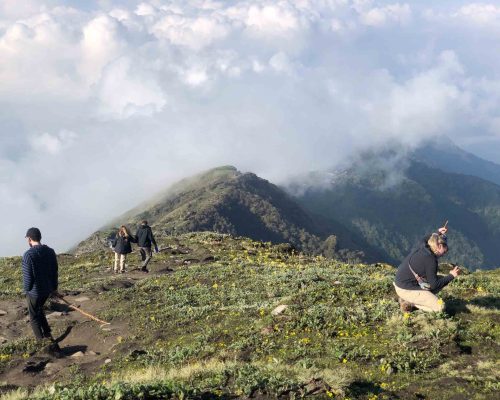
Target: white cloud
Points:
x,y
145,9
124,93
52,144
195,76
157,90
195,33
101,44
480,13
281,63
379,16
272,19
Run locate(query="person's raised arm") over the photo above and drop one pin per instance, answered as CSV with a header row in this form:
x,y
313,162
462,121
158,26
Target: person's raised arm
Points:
x,y
443,229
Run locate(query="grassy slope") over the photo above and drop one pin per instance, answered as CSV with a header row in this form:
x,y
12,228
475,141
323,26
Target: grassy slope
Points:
x,y
207,330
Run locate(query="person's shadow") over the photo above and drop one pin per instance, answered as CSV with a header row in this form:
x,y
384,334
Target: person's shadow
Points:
x,y
456,306
69,350
491,302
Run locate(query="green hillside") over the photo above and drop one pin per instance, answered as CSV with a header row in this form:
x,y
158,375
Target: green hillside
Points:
x,y
393,217
225,200
206,323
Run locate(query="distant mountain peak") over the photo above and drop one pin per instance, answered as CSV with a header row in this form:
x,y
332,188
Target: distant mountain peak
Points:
x,y
444,154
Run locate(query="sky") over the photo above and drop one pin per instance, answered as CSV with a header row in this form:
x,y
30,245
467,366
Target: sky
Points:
x,y
104,103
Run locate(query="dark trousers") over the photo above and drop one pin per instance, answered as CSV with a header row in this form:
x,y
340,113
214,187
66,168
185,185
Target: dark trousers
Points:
x,y
146,255
39,323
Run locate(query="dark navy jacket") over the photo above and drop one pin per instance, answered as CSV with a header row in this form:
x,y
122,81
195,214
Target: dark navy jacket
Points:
x,y
144,236
425,264
40,271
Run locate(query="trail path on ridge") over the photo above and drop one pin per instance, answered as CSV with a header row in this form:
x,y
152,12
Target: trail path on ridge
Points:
x,y
87,345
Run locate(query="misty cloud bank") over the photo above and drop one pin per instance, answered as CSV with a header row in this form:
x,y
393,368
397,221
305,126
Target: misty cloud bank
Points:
x,y
104,103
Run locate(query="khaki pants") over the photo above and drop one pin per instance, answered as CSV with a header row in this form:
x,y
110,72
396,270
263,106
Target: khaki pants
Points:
x,y
120,258
422,299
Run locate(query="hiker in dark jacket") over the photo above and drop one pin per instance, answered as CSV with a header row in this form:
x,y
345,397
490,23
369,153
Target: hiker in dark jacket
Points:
x,y
144,237
122,246
417,282
40,275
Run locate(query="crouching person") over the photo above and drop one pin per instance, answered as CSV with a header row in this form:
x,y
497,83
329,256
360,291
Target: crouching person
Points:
x,y
40,275
417,282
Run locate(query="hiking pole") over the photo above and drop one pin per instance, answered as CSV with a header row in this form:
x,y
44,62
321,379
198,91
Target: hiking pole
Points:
x,y
81,311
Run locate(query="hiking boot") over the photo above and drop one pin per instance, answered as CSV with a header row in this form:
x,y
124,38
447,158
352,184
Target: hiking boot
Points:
x,y
405,306
145,270
122,271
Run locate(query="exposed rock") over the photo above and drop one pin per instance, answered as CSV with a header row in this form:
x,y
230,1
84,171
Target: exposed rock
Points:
x,y
77,354
188,261
278,310
50,368
82,299
55,314
2,312
107,360
106,328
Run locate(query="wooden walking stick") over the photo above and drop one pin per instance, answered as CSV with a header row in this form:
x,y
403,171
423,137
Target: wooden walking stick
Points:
x,y
81,311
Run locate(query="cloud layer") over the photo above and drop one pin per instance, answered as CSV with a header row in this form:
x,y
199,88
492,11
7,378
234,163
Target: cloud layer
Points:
x,y
106,102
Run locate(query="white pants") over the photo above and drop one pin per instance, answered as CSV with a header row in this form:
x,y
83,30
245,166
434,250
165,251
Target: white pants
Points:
x,y
120,258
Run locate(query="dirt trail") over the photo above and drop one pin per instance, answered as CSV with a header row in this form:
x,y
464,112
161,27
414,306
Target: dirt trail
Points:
x,y
86,345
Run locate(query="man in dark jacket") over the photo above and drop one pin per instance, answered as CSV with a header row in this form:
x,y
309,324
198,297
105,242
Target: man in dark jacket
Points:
x,y
145,239
40,275
417,282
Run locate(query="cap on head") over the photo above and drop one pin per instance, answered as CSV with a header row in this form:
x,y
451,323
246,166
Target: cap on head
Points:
x,y
144,222
34,234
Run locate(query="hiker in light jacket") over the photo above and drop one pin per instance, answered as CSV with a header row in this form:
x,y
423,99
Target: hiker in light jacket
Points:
x,y
122,246
417,282
145,239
